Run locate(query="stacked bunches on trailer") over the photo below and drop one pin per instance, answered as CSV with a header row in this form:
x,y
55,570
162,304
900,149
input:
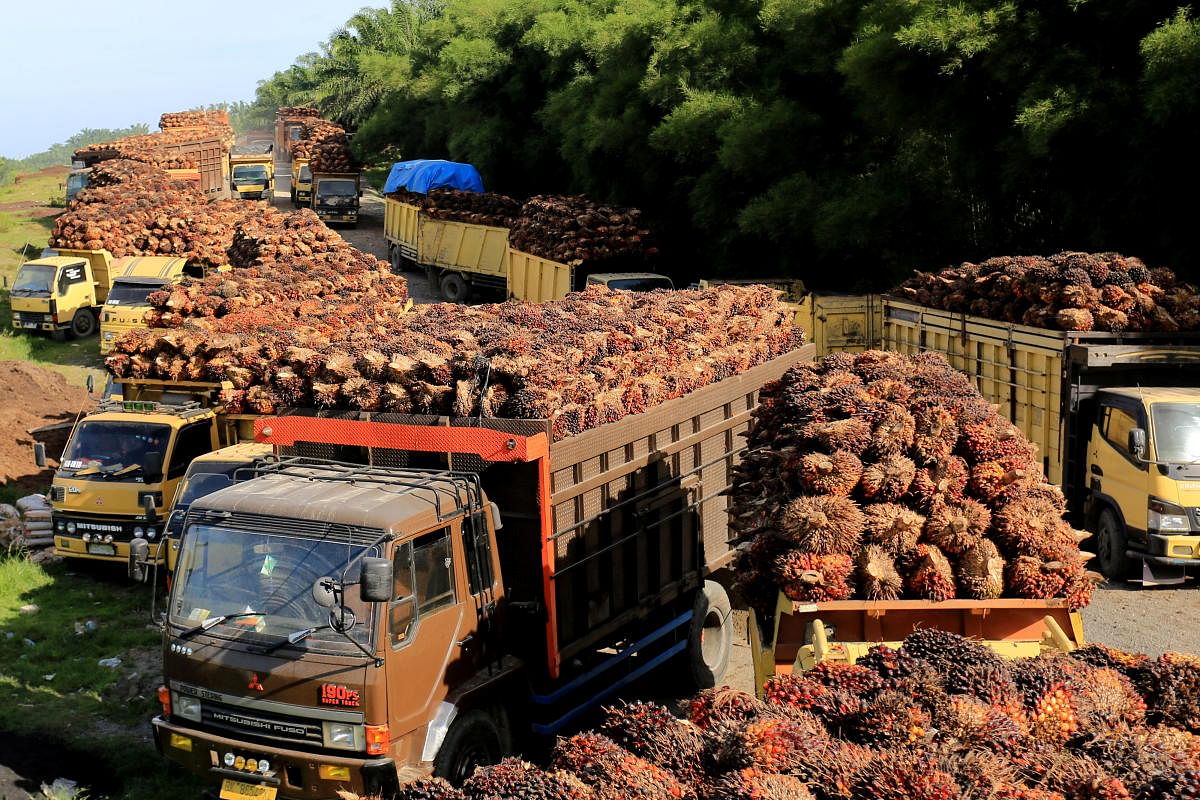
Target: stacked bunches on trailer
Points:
x,y
940,718
335,339
478,208
577,231
1068,291
879,476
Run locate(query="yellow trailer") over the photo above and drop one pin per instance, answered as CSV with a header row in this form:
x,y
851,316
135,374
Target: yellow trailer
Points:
x,y
536,279
457,256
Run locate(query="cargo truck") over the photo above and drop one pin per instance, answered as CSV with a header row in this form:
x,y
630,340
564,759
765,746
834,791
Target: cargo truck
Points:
x,y
62,295
77,180
124,461
127,303
301,183
1115,416
333,626
210,154
335,196
252,176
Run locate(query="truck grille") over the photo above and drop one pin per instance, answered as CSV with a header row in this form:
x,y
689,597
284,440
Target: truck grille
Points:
x,y
260,724
29,316
58,494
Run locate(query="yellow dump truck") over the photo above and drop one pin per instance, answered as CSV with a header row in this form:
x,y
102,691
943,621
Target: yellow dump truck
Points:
x,y
301,183
457,256
124,462
133,280
252,176
62,295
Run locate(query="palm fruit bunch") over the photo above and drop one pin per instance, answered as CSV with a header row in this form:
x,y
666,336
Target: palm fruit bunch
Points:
x,y
650,731
613,772
1065,291
283,334
879,476
514,779
752,783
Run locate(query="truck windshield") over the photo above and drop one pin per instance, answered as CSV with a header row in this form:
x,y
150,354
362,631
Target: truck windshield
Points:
x,y
224,571
101,448
132,293
250,173
205,483
1177,432
338,189
305,175
640,284
33,280
75,182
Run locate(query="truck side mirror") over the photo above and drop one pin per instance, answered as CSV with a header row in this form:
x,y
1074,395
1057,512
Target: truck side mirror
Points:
x,y
39,454
1137,443
375,580
91,383
139,553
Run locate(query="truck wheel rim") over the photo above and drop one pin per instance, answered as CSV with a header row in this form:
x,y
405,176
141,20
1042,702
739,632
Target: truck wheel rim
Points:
x,y
712,637
1105,545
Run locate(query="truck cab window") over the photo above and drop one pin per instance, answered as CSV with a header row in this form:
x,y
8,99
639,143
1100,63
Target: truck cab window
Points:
x,y
422,582
477,546
193,441
1117,425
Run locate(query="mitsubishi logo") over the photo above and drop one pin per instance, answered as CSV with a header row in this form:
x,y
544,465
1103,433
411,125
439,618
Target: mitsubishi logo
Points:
x,y
255,684
99,501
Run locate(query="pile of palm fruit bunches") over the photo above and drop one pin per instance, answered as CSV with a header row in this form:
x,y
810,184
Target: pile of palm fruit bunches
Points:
x,y
879,476
332,339
323,142
193,119
1068,291
183,127
939,718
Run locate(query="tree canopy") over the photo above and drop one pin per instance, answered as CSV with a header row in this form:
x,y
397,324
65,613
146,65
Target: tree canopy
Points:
x,y
844,143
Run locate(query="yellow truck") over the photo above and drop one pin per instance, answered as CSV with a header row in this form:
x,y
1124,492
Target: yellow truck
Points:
x,y
457,256
252,176
62,295
133,280
301,183
1115,416
123,464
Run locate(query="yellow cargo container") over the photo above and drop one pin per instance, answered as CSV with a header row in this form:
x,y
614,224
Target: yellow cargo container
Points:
x,y
536,279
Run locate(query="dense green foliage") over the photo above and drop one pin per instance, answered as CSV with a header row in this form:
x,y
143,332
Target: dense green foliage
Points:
x,y
841,142
60,154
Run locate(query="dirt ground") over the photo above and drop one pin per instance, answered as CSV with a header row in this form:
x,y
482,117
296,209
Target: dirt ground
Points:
x,y
31,397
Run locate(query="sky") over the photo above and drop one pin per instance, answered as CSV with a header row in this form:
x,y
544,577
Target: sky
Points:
x,y
71,65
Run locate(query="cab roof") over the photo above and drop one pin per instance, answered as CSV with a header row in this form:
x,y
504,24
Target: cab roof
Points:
x,y
1157,394
55,261
398,501
149,267
242,451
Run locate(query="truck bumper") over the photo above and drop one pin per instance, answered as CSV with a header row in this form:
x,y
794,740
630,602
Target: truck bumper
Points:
x,y
74,547
1173,549
43,327
295,773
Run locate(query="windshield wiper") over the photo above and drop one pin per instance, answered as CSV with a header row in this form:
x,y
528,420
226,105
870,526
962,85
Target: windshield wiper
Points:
x,y
213,622
293,638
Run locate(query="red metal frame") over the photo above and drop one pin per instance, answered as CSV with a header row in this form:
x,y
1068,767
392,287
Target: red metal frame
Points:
x,y
488,444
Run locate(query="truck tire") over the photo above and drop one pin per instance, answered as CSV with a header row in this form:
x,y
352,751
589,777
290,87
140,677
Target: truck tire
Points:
x,y
472,741
83,324
1111,543
455,288
395,259
710,637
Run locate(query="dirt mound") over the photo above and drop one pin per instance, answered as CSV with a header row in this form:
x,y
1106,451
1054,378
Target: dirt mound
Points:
x,y
33,397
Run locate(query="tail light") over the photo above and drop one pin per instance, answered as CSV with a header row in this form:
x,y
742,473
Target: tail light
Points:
x,y
378,740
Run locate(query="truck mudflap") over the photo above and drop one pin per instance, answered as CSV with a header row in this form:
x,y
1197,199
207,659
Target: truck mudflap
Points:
x,y
292,774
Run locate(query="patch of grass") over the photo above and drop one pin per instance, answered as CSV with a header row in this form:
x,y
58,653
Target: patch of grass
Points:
x,y
74,359
54,688
24,232
376,175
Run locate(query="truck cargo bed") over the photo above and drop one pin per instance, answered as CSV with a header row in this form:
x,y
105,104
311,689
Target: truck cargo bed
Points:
x,y
600,529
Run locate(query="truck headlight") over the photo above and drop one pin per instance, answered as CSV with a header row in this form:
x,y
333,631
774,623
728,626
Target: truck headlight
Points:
x,y
108,335
62,526
70,527
185,706
139,531
151,533
1167,517
340,735
48,317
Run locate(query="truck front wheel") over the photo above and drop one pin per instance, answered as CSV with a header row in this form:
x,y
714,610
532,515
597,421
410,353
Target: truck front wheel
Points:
x,y
710,638
1110,546
472,741
83,324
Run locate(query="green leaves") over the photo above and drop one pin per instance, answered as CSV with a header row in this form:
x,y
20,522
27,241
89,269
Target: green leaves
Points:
x,y
1171,54
952,33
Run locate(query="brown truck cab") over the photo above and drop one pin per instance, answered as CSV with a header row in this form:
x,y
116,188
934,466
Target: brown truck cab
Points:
x,y
333,626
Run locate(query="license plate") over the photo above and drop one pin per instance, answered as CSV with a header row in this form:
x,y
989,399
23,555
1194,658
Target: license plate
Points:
x,y
102,549
240,790
29,325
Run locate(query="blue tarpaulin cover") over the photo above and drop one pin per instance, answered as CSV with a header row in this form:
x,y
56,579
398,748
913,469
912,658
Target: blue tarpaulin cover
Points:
x,y
424,174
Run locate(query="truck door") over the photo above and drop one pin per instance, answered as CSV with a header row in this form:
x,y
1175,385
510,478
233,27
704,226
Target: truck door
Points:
x,y
1113,471
422,628
75,287
192,441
